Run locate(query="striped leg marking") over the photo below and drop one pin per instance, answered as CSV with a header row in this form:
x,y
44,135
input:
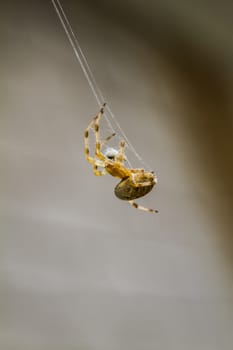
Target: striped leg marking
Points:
x,y
140,207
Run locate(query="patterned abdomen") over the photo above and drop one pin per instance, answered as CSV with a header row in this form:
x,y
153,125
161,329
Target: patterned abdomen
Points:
x,y
126,190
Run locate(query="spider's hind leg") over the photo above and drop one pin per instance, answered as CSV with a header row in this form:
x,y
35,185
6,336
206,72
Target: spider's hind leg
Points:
x,y
137,206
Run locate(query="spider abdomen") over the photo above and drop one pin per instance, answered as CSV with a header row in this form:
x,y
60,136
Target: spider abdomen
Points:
x,y
128,190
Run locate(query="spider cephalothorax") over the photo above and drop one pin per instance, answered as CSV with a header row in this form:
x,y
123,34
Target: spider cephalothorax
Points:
x,y
135,183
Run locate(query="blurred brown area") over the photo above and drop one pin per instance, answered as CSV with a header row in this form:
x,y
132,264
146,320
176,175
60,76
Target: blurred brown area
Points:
x,y
79,268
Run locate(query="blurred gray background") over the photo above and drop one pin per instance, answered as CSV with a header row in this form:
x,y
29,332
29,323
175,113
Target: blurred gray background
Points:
x,y
80,269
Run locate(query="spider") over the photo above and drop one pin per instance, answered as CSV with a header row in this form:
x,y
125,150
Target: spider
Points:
x,y
135,183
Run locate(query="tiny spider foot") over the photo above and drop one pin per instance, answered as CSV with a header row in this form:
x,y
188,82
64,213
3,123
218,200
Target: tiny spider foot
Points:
x,y
101,112
102,108
137,206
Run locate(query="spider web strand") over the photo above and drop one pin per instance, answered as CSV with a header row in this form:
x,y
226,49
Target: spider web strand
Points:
x,y
89,75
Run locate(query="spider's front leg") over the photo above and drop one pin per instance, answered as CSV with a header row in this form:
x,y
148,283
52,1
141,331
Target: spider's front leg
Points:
x,y
121,154
95,123
107,139
98,144
99,159
86,143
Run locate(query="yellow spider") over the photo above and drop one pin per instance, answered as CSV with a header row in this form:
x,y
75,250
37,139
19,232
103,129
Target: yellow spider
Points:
x,y
135,183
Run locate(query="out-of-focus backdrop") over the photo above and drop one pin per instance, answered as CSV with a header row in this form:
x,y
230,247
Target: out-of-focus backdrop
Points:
x,y
80,269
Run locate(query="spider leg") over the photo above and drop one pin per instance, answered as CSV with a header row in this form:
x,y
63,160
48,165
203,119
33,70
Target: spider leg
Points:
x,y
137,206
97,137
121,156
98,160
97,163
86,142
95,123
106,140
98,172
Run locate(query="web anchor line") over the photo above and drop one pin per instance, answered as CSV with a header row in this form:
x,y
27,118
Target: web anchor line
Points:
x,y
89,75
